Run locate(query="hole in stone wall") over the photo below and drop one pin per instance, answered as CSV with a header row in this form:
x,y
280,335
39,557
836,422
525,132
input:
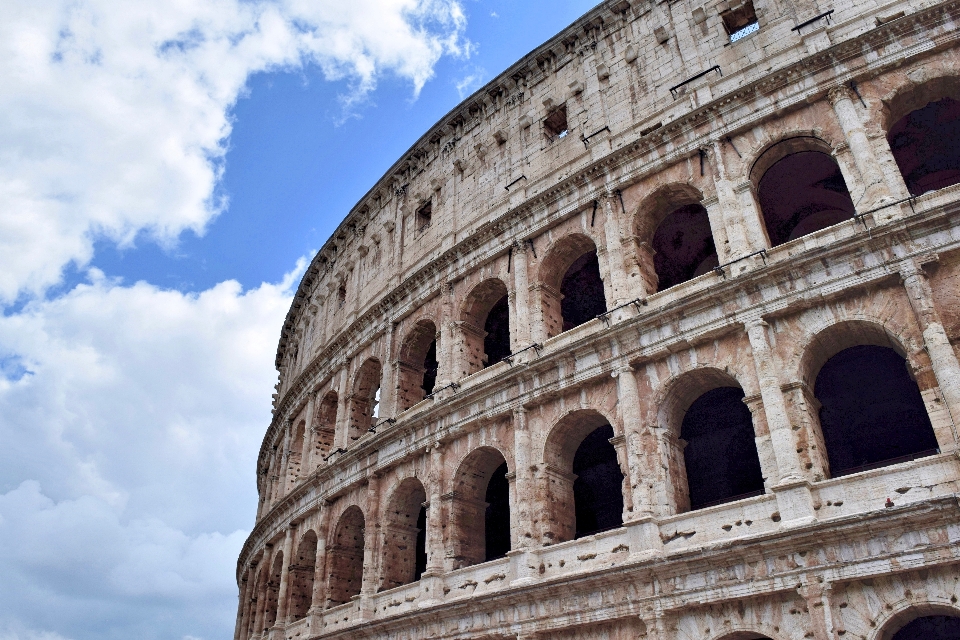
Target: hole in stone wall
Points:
x,y
341,294
430,366
555,125
582,292
421,550
924,144
404,543
424,216
740,21
872,413
683,245
346,558
930,628
365,403
496,344
598,489
497,515
720,456
417,365
302,569
802,193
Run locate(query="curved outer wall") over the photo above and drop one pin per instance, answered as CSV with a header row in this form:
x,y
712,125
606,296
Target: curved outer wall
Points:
x,y
663,111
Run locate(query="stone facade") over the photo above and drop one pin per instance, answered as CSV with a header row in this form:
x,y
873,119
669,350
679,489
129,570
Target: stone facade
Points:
x,y
443,368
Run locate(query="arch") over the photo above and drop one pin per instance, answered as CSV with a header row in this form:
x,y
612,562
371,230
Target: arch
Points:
x,y
571,286
919,622
417,364
481,508
346,558
922,124
584,479
485,326
799,188
404,531
259,591
301,573
365,402
712,455
272,591
325,424
674,240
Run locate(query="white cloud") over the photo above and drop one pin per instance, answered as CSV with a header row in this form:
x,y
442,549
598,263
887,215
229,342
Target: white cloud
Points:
x,y
470,82
116,115
137,427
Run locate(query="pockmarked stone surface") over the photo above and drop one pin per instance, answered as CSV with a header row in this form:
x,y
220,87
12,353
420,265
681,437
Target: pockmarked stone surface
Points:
x,y
654,336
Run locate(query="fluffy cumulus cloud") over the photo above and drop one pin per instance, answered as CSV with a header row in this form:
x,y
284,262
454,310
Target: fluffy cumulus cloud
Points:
x,y
131,415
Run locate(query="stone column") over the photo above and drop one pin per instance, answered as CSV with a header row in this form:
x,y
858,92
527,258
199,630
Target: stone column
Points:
x,y
309,436
246,593
285,459
343,411
875,187
629,408
434,537
523,481
728,220
389,378
943,358
318,597
371,555
521,288
614,250
285,577
261,592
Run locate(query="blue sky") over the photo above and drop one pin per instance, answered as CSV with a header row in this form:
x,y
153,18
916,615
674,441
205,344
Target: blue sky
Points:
x,y
166,172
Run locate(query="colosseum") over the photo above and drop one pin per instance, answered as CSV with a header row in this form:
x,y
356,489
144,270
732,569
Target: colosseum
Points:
x,y
654,336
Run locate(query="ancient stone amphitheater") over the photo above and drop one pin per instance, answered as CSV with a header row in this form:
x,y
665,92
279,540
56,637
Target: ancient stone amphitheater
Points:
x,y
654,336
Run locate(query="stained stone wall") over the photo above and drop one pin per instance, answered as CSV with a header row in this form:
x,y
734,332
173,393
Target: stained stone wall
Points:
x,y
586,149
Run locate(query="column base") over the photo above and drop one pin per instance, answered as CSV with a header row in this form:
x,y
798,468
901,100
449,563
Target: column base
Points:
x,y
795,503
643,538
525,563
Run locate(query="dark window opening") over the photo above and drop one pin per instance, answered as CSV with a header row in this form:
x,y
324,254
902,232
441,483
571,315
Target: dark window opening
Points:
x,y
346,558
496,345
430,366
421,551
802,193
341,295
497,516
556,123
582,292
871,410
683,246
598,489
424,216
741,21
721,453
931,628
924,144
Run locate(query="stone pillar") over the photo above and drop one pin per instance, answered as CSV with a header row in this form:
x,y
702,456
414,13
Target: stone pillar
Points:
x,y
246,592
729,221
434,537
446,338
943,358
343,411
614,250
285,577
875,187
629,408
318,597
523,481
309,436
521,289
285,459
820,607
261,592
371,554
389,378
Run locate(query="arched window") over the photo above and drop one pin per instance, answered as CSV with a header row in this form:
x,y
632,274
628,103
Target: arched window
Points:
x,y
404,552
584,479
302,568
273,592
481,508
573,290
720,455
683,246
943,627
325,425
924,144
346,558
365,403
417,365
800,189
486,326
871,411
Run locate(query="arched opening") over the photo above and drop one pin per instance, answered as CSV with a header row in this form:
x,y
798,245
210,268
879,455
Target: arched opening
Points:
x,y
346,558
404,550
583,477
871,413
325,425
295,453
800,189
273,592
302,568
923,143
683,246
720,455
572,292
486,326
417,365
258,593
365,403
481,508
942,627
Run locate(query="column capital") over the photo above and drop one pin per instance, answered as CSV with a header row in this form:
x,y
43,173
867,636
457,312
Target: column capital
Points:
x,y
839,93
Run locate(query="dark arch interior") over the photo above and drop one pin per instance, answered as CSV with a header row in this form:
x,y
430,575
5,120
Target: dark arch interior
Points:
x,y
582,292
924,144
931,628
497,343
598,489
802,193
421,550
721,452
871,410
430,365
683,246
497,516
